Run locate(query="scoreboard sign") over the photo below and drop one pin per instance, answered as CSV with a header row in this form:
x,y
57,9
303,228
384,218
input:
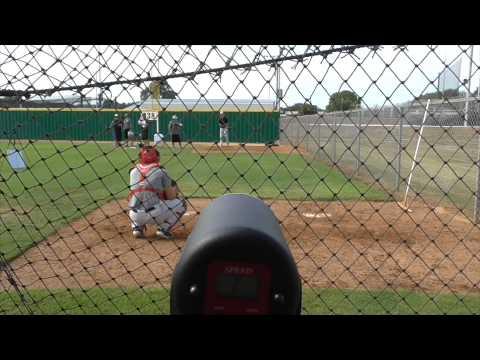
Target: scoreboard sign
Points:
x,y
150,115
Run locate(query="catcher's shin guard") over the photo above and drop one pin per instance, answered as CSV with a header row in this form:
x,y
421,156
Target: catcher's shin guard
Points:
x,y
177,208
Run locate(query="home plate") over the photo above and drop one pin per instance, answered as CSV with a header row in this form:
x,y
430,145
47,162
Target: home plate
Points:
x,y
190,213
316,216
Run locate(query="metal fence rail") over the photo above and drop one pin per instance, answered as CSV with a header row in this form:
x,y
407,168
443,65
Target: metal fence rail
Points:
x,y
385,152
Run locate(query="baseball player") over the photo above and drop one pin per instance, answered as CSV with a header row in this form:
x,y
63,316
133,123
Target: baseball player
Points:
x,y
131,138
154,197
116,125
175,129
126,128
143,122
223,123
158,139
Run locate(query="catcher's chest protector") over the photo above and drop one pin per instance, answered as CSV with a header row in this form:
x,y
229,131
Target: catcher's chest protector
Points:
x,y
145,170
147,189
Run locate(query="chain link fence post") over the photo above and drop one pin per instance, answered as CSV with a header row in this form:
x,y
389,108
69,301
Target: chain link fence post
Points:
x,y
334,153
400,149
306,126
319,137
476,210
359,137
297,138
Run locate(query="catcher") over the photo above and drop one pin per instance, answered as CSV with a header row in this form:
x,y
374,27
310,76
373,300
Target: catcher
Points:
x,y
154,197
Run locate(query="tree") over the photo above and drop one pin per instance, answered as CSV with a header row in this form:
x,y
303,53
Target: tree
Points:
x,y
144,94
309,109
112,104
158,90
295,107
303,109
449,93
343,101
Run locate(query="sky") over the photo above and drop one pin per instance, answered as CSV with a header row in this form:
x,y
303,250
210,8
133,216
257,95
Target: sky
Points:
x,y
381,78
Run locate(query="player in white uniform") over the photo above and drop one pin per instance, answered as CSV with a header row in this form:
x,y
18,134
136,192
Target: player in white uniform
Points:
x,y
223,123
154,197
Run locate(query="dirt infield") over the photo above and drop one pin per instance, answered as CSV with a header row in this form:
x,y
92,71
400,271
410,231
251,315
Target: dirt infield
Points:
x,y
341,245
254,149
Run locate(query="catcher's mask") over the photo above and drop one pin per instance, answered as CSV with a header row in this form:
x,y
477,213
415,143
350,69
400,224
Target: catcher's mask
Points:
x,y
149,155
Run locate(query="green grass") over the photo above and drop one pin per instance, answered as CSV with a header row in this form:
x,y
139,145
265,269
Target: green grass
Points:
x,y
446,160
65,182
95,301
352,302
315,302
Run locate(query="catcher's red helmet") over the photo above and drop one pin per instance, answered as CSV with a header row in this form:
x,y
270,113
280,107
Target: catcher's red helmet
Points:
x,y
149,155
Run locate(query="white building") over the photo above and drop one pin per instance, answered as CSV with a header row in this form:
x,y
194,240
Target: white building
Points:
x,y
201,104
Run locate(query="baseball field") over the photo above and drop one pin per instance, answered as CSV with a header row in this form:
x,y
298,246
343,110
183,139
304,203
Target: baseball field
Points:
x,y
67,181
65,233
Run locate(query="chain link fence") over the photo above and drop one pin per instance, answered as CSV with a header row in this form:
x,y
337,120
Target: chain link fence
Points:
x,y
377,196
380,147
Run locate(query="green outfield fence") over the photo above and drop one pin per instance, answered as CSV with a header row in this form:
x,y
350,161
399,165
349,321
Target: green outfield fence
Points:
x,y
91,124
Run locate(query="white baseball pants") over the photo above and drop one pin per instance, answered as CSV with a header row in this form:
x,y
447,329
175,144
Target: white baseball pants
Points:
x,y
165,215
224,136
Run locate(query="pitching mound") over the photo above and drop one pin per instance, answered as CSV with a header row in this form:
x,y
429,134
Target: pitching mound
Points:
x,y
354,245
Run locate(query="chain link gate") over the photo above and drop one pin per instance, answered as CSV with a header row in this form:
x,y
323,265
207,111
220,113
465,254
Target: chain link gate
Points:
x,y
332,138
